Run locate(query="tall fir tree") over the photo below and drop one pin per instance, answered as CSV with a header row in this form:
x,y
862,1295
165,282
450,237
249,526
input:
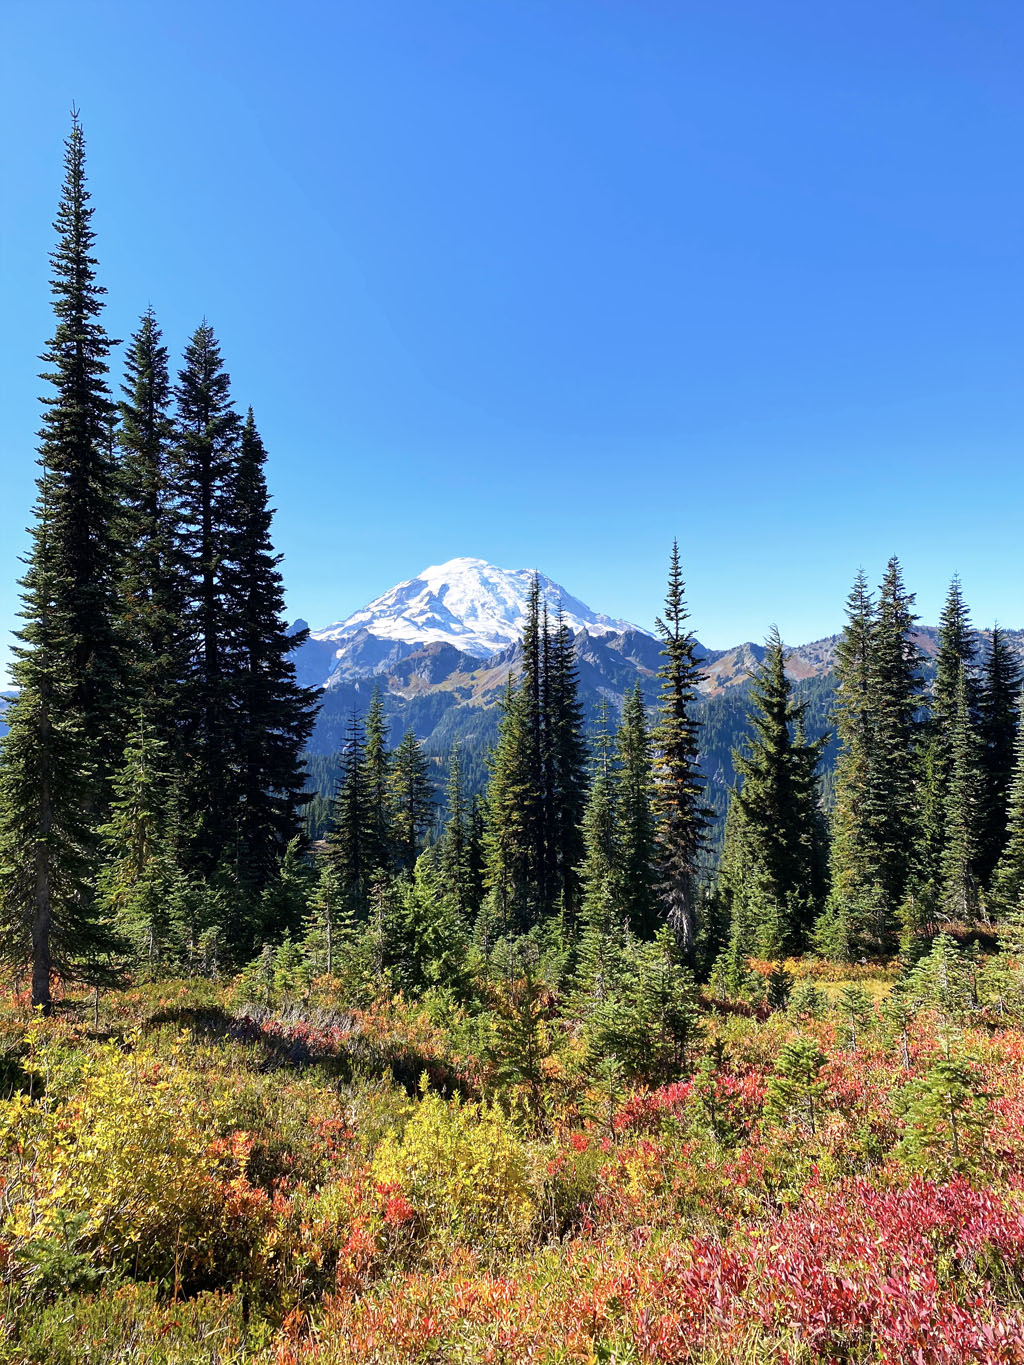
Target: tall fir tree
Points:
x,y
849,860
683,816
510,847
346,837
1008,879
566,784
956,654
636,826
955,658
208,432
149,580
455,851
377,762
600,871
412,800
962,811
890,804
999,710
536,796
271,715
65,734
600,960
139,883
773,906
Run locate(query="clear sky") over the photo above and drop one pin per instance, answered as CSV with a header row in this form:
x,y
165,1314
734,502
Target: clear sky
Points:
x,y
549,282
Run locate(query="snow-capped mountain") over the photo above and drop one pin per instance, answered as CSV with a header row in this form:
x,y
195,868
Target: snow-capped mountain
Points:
x,y
471,605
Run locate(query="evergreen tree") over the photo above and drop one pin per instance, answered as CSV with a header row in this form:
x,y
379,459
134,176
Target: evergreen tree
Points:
x,y
137,882
999,707
890,810
330,928
636,827
599,959
956,655
566,784
941,981
875,818
772,906
510,848
600,872
205,477
412,799
1008,880
849,848
430,947
455,853
149,579
537,790
795,1091
271,715
947,1117
521,1037
645,1019
284,901
683,816
380,851
536,795
64,740
963,798
346,838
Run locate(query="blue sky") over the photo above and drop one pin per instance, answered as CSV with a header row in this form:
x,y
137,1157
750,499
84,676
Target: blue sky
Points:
x,y
551,282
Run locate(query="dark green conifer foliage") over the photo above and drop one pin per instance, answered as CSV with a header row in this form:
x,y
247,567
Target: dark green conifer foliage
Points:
x,y
683,817
285,898
890,807
271,715
521,1037
429,949
1008,880
138,879
599,960
205,477
455,851
412,800
999,707
795,1092
510,848
477,852
956,654
646,1017
536,795
774,903
600,872
537,790
947,1118
380,851
849,861
636,827
346,839
64,740
963,809
149,580
876,813
566,784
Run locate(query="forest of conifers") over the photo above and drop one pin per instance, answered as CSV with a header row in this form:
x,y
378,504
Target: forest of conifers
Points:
x,y
523,1075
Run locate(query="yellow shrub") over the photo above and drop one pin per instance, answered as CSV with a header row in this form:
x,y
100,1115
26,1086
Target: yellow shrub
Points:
x,y
464,1170
127,1151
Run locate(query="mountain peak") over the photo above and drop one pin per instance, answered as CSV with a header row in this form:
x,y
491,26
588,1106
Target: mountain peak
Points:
x,y
466,602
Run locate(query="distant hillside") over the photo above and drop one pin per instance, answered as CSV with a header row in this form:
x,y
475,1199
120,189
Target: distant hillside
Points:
x,y
443,695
